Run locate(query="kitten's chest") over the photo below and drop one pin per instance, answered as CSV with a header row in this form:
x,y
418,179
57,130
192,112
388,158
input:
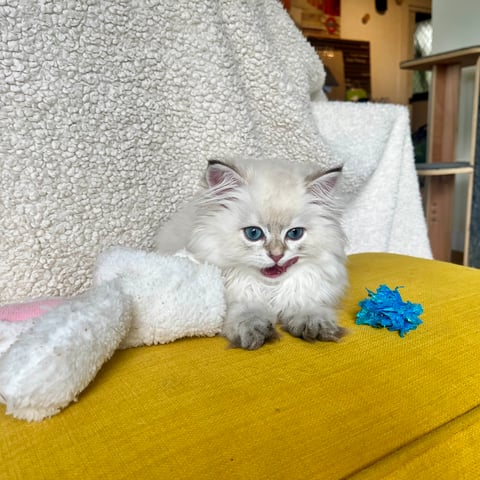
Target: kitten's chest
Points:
x,y
291,292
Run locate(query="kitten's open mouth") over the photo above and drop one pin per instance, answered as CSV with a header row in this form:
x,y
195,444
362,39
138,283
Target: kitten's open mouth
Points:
x,y
277,270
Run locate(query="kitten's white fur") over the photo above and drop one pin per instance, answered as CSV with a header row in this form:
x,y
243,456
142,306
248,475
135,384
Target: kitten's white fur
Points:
x,y
275,197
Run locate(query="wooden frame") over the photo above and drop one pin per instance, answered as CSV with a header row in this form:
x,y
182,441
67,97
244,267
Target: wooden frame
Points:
x,y
442,138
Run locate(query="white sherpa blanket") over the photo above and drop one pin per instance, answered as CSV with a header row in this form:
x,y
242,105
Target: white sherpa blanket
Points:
x,y
109,110
374,143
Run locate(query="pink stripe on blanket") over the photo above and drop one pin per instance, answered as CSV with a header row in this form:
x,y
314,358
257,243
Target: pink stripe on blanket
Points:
x,y
19,312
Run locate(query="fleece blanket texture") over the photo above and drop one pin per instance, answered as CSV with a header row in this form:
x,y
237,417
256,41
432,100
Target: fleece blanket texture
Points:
x,y
109,110
138,298
374,143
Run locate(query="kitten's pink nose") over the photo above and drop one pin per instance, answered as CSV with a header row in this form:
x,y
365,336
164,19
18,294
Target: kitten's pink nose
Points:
x,y
276,258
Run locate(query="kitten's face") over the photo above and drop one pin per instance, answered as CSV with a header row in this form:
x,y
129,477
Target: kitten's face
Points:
x,y
267,219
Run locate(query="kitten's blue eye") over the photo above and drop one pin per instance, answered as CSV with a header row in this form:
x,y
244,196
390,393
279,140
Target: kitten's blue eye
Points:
x,y
253,233
295,233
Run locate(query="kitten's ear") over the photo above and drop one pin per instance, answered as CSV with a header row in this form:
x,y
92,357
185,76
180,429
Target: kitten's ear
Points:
x,y
222,177
321,184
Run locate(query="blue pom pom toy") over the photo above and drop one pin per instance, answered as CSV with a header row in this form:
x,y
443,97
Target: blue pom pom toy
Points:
x,y
386,309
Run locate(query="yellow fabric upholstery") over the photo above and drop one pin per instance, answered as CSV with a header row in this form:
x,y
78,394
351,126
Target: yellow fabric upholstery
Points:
x,y
372,406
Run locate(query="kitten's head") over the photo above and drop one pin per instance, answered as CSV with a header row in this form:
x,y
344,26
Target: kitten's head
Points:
x,y
267,217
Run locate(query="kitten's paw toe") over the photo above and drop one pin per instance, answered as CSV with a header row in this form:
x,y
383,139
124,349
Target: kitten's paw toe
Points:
x,y
251,335
334,334
314,327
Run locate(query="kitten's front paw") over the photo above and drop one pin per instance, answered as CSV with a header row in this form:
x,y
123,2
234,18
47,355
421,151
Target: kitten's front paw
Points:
x,y
321,325
250,330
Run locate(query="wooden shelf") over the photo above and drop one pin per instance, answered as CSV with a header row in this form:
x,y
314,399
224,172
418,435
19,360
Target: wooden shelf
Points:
x,y
464,57
440,171
435,169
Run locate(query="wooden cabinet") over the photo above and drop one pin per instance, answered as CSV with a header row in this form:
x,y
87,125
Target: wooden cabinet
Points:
x,y
441,167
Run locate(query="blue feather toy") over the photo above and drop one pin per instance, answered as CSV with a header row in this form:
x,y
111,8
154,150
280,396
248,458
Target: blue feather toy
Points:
x,y
385,308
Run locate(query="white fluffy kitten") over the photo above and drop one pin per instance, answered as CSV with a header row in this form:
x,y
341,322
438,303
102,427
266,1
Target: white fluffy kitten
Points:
x,y
273,229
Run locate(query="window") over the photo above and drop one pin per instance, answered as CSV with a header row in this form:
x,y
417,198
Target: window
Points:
x,y
422,44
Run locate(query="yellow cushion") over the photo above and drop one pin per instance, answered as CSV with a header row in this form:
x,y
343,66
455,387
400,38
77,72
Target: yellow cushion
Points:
x,y
372,406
